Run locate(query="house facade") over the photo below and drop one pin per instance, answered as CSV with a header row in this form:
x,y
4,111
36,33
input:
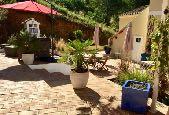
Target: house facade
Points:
x,y
140,22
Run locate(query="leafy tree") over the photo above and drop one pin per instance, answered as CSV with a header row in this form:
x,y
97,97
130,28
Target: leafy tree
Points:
x,y
7,1
102,10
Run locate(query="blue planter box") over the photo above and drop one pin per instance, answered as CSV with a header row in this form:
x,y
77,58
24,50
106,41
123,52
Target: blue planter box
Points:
x,y
135,99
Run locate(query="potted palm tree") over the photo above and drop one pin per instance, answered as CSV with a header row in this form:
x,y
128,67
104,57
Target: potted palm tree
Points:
x,y
74,55
26,45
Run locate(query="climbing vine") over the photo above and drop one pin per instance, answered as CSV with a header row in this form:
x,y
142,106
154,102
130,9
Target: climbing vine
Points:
x,y
160,47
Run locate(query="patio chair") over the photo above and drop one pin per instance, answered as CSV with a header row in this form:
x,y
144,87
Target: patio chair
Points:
x,y
101,63
91,61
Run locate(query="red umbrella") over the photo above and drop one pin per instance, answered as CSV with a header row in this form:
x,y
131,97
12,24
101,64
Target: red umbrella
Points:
x,y
29,6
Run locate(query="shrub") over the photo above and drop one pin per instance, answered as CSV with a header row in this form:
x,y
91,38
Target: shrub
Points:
x,y
124,66
3,14
24,42
60,45
134,75
78,34
75,53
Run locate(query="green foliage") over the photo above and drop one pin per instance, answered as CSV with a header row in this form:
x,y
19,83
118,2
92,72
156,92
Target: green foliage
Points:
x,y
3,14
24,42
134,75
104,10
160,43
78,34
80,17
90,12
7,1
101,10
74,55
124,66
12,39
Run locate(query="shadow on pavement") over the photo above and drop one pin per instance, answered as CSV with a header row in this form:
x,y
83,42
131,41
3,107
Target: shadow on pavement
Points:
x,y
24,73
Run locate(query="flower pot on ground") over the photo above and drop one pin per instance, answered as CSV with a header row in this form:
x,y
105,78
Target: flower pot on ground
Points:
x,y
10,51
28,58
26,44
107,49
135,96
79,80
74,55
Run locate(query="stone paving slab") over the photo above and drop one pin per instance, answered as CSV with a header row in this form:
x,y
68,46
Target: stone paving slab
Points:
x,y
27,92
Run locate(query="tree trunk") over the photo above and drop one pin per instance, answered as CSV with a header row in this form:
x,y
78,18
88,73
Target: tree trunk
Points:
x,y
155,93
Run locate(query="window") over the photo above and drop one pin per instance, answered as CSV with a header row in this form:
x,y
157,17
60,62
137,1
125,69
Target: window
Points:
x,y
33,27
138,39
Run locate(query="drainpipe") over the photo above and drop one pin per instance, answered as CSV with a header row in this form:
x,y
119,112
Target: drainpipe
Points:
x,y
155,93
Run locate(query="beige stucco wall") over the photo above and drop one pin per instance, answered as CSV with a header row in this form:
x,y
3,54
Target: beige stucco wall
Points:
x,y
164,6
156,5
124,20
139,28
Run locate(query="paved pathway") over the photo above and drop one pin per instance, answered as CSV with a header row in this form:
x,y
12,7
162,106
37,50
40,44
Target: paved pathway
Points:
x,y
27,92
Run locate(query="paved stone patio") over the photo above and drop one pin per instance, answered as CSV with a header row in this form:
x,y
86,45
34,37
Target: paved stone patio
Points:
x,y
27,92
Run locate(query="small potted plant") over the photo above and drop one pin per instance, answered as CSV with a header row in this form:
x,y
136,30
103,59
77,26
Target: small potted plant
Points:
x,y
27,46
135,96
10,50
75,56
107,49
